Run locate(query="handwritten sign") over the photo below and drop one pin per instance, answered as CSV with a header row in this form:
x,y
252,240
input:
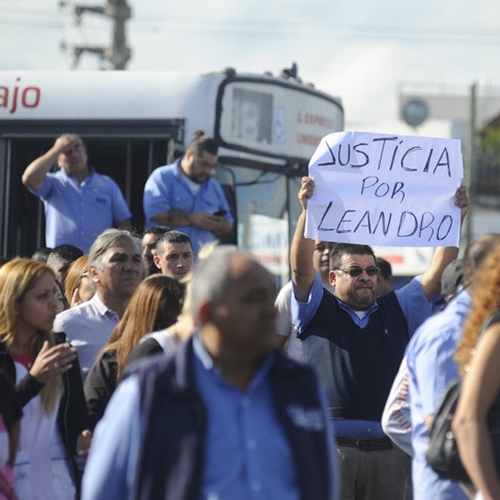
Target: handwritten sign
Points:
x,y
387,190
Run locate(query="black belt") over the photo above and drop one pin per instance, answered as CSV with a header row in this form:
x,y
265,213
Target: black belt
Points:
x,y
366,444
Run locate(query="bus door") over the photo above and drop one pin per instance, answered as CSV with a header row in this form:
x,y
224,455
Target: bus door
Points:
x,y
126,155
266,210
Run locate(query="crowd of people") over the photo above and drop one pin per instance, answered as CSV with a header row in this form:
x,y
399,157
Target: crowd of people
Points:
x,y
165,365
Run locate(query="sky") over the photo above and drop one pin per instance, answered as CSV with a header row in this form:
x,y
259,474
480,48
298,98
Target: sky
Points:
x,y
363,51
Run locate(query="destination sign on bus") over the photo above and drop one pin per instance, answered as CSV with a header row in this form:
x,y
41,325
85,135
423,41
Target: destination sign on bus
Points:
x,y
275,119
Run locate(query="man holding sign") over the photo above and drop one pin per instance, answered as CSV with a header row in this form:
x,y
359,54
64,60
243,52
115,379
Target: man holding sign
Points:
x,y
354,340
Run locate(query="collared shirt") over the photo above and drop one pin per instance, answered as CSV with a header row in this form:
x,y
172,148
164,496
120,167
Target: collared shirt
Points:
x,y
88,327
261,464
416,309
411,299
242,425
168,188
77,213
431,369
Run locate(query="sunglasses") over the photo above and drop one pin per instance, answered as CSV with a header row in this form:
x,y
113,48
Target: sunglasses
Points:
x,y
356,271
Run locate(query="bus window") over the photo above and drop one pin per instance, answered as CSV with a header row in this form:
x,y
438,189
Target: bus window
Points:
x,y
262,214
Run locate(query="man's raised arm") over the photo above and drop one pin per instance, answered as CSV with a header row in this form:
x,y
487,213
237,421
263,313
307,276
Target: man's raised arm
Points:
x,y
431,279
36,171
301,253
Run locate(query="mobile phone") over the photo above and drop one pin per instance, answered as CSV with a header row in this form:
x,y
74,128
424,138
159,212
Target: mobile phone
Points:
x,y
220,212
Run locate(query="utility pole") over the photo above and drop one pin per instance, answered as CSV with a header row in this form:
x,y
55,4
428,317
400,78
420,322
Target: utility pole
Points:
x,y
118,53
470,173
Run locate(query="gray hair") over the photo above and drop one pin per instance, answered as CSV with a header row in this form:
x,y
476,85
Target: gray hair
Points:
x,y
106,240
210,278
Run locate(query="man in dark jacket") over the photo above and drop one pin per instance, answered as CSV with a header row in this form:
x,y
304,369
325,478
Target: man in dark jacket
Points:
x,y
226,416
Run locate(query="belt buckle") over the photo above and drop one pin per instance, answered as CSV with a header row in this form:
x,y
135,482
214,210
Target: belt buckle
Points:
x,y
373,444
363,444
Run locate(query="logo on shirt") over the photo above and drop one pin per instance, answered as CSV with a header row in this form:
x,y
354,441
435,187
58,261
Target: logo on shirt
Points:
x,y
308,418
101,200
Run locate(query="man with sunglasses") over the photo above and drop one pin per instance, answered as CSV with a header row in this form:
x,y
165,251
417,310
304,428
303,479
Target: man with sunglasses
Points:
x,y
355,341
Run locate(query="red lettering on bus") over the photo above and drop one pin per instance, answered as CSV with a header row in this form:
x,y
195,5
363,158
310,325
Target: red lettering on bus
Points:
x,y
30,97
4,97
35,98
309,139
322,121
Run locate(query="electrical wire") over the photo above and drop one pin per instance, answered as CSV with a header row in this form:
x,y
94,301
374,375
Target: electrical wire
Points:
x,y
281,30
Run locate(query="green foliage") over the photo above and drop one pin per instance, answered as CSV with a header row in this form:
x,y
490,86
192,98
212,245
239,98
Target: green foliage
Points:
x,y
489,143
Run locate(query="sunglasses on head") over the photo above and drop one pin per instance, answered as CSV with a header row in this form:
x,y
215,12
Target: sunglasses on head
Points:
x,y
355,271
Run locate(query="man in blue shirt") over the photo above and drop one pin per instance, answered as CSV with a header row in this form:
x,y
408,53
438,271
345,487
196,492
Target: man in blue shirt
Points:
x,y
431,369
396,418
79,203
226,415
355,341
184,195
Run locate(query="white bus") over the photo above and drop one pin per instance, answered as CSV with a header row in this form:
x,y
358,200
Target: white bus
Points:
x,y
132,122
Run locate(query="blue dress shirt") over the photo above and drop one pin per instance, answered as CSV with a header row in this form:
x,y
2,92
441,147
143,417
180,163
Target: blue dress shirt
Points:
x,y
168,188
77,213
431,369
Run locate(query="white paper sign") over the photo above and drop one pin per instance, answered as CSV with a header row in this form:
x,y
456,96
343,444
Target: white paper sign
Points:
x,y
379,189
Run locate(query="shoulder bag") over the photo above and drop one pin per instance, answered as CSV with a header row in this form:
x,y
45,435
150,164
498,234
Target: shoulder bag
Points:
x,y
442,454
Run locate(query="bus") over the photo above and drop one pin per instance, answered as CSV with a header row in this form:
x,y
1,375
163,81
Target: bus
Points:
x,y
267,128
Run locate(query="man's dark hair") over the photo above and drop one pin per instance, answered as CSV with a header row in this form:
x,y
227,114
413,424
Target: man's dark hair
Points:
x,y
66,252
341,249
202,143
174,236
158,230
476,253
384,266
42,254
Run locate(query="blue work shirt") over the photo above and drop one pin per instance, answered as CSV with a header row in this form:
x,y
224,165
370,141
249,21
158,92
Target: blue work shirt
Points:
x,y
431,369
77,213
416,309
242,425
168,188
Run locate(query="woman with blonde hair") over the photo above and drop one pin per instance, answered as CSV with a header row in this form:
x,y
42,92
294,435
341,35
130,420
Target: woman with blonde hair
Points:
x,y
45,369
478,357
156,304
78,286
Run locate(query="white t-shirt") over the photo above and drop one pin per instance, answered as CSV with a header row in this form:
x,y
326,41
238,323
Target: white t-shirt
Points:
x,y
285,325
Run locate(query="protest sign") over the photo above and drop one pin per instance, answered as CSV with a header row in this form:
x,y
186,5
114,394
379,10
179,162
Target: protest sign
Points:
x,y
388,190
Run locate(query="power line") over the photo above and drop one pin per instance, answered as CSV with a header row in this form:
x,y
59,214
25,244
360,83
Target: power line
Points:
x,y
32,22
334,32
277,30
